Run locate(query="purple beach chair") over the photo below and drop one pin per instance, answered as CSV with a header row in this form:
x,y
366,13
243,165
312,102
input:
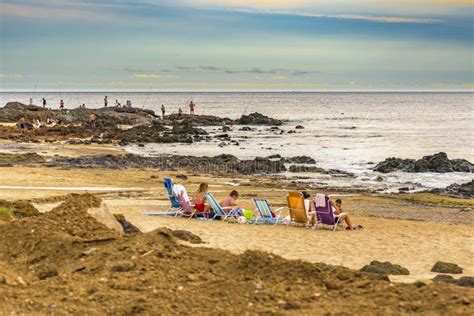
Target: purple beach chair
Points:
x,y
325,215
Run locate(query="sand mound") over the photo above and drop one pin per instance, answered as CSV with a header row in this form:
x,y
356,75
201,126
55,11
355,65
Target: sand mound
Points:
x,y
66,262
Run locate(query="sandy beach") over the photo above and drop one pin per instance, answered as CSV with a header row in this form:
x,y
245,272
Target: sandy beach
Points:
x,y
414,235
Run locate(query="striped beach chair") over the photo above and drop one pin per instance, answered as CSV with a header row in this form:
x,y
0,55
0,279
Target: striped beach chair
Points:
x,y
265,212
219,211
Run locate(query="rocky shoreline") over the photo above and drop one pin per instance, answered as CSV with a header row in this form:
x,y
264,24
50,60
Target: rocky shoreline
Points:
x,y
142,125
433,163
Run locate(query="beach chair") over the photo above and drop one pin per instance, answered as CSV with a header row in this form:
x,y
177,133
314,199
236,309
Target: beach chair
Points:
x,y
265,212
175,208
219,211
168,184
325,212
296,207
188,209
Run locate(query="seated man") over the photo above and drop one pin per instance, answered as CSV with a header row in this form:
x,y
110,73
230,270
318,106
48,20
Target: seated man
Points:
x,y
339,212
231,200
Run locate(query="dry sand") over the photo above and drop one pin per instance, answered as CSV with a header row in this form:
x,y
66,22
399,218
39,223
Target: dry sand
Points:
x,y
416,245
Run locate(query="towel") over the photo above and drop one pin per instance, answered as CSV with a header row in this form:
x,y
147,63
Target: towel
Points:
x,y
320,200
178,190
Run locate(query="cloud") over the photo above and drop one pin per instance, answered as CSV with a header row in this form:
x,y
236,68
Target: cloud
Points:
x,y
52,12
12,76
251,70
153,76
211,68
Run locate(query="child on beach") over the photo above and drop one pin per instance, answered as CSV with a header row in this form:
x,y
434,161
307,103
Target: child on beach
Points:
x,y
339,212
61,105
191,107
199,198
163,110
231,200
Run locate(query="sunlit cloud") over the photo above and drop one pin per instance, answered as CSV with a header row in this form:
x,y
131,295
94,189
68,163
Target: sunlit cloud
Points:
x,y
153,76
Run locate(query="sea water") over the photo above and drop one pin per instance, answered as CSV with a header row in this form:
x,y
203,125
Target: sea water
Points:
x,y
345,131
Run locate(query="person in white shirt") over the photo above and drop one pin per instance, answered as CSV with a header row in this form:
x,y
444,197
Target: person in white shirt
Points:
x,y
310,218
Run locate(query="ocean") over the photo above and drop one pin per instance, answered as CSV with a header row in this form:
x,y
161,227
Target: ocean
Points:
x,y
343,130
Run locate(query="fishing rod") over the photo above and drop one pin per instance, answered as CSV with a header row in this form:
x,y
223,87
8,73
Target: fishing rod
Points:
x,y
248,103
147,96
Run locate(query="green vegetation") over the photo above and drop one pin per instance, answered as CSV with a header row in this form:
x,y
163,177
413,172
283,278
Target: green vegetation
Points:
x,y
4,211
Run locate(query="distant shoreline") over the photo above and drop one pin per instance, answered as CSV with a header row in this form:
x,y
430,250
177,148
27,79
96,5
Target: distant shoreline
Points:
x,y
242,91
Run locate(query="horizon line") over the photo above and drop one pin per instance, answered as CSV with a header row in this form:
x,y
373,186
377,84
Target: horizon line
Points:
x,y
244,91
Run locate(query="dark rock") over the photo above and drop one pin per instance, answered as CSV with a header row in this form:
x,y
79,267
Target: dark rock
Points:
x,y
217,164
182,176
258,119
187,236
301,159
446,267
465,190
128,228
443,278
296,168
276,156
246,129
123,266
385,268
197,120
46,271
465,281
435,163
299,127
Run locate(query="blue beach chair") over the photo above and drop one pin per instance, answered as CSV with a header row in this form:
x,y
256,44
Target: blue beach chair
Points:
x,y
222,212
265,212
175,209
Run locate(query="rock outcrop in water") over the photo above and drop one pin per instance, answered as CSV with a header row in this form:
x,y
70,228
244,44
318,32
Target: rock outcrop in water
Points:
x,y
106,117
257,119
434,163
464,190
197,120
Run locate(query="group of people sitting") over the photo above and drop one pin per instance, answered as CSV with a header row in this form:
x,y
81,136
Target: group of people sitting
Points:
x,y
203,207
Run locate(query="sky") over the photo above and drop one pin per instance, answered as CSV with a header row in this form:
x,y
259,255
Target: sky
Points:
x,y
227,45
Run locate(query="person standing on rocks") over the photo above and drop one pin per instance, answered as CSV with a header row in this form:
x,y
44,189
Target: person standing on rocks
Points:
x,y
105,101
92,120
61,105
31,101
44,102
180,112
191,107
163,110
